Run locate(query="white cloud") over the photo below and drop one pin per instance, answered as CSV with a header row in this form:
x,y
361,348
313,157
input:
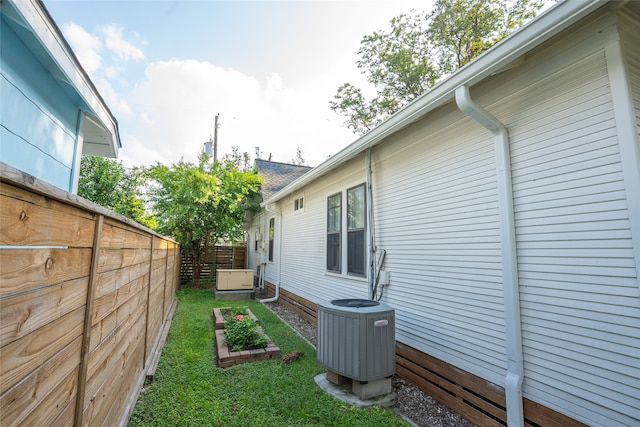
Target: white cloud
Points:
x,y
177,103
123,49
86,47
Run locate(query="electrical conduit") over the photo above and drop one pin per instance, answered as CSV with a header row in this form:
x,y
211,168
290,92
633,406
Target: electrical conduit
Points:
x,y
372,242
515,369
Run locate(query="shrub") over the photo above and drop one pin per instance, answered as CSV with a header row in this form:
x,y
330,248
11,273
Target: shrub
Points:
x,y
242,333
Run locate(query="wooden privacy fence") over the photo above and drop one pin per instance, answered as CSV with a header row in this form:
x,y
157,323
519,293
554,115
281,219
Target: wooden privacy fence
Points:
x,y
228,257
86,297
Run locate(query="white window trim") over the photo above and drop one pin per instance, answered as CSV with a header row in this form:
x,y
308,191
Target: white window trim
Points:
x,y
343,189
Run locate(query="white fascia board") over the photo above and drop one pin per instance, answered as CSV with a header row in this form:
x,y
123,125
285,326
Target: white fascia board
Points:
x,y
495,59
47,32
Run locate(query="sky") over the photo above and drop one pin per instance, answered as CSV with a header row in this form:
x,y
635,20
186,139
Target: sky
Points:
x,y
268,68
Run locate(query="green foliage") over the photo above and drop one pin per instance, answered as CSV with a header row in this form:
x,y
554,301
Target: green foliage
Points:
x,y
243,334
398,63
419,49
190,390
108,183
299,159
463,29
199,205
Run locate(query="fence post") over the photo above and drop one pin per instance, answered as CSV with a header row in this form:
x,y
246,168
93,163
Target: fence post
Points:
x,y
88,314
146,322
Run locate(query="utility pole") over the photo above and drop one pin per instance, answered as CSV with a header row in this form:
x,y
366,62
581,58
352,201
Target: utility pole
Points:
x,y
215,139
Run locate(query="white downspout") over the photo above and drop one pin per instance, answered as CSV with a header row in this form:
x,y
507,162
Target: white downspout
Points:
x,y
515,369
277,295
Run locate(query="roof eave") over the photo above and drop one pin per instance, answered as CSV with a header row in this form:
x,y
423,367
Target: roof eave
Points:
x,y
69,69
541,29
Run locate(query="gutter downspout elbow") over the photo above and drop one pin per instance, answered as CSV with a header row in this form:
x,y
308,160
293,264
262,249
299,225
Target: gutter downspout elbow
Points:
x,y
277,295
513,327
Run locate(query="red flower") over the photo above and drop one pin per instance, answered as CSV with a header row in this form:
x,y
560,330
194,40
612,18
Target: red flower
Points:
x,y
240,317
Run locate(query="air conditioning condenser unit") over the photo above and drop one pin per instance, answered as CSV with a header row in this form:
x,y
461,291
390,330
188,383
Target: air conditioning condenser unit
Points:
x,y
356,338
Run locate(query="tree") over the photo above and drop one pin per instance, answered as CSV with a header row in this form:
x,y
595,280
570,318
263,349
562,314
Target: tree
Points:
x,y
419,49
241,160
202,204
299,159
463,29
398,63
108,183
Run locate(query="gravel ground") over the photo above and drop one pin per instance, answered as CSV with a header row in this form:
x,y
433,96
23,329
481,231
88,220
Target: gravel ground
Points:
x,y
412,404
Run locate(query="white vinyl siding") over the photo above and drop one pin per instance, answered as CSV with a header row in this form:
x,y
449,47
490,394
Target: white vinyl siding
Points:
x,y
630,21
579,289
304,253
436,215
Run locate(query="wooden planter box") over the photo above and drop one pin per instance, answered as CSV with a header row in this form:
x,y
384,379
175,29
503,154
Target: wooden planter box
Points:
x,y
226,357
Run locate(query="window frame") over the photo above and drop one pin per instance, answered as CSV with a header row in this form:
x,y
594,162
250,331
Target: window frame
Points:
x,y
356,239
272,233
334,234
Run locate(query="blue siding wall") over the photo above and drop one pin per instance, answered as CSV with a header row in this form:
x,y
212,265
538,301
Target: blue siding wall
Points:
x,y
38,121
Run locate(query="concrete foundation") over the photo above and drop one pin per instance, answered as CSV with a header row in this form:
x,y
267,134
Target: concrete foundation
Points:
x,y
336,378
344,393
233,295
371,388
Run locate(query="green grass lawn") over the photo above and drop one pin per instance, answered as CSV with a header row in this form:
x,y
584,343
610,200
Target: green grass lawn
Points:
x,y
190,390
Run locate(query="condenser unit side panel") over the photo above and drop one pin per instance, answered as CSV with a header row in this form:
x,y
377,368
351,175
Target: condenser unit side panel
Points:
x,y
347,338
380,346
338,342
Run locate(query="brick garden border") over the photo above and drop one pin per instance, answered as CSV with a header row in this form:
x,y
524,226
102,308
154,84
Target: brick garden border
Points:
x,y
227,358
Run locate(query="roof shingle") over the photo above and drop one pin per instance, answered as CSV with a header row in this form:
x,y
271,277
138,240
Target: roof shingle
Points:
x,y
278,175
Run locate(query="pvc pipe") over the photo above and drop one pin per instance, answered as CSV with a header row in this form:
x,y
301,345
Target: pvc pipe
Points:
x,y
277,295
372,236
513,327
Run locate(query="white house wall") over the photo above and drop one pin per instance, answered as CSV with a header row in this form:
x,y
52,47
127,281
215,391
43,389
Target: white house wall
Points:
x,y
577,275
436,212
304,254
437,216
632,50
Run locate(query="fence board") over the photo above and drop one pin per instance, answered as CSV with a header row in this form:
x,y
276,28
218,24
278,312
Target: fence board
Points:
x,y
22,356
46,318
25,269
121,236
57,407
28,394
116,259
24,313
31,224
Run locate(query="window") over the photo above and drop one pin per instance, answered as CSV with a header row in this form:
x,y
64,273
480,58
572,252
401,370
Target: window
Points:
x,y
298,204
334,228
272,228
257,237
356,221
